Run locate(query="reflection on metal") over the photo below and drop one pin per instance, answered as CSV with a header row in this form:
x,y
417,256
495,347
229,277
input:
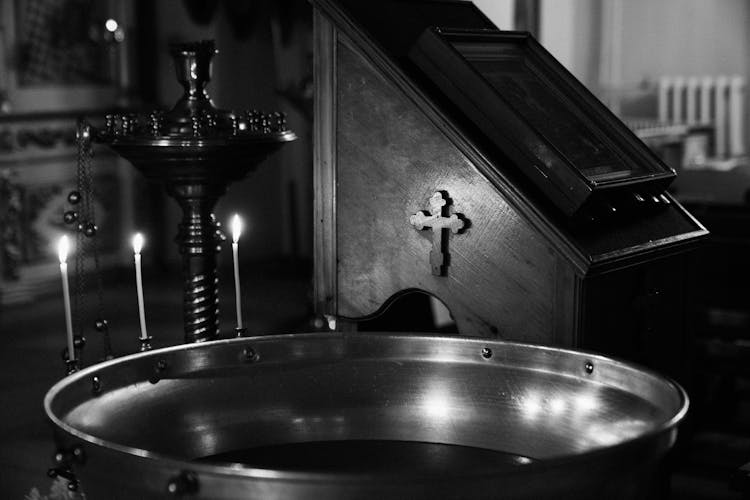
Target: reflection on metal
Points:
x,y
547,425
557,406
437,405
584,403
531,405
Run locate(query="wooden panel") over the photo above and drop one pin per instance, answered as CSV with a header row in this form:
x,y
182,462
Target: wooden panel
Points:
x,y
324,166
397,24
390,160
385,33
567,305
559,135
652,231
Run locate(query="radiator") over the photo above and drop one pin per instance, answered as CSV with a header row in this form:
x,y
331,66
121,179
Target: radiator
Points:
x,y
718,101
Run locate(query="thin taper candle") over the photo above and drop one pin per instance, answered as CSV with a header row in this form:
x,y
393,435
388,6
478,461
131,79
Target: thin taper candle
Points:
x,y
236,230
137,247
62,251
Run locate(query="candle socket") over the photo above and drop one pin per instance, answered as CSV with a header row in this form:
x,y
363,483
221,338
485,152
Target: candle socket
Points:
x,y
240,332
145,343
71,366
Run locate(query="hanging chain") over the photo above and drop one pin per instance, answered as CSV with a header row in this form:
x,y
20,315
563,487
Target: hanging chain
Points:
x,y
84,155
90,230
84,221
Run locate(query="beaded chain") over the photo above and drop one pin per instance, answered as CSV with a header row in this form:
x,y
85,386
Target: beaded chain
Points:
x,y
82,216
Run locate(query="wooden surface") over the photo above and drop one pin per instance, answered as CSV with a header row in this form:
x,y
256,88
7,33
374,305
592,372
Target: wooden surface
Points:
x,y
611,243
324,165
390,160
521,270
556,131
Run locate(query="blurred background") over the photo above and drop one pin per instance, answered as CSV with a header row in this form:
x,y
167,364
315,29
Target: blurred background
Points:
x,y
674,70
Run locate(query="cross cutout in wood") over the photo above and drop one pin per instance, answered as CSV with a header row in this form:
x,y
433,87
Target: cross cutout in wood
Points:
x,y
437,220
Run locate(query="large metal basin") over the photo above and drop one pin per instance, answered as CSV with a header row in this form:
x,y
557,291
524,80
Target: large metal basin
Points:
x,y
365,415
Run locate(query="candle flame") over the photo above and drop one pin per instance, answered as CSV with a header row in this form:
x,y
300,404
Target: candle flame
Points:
x,y
236,228
63,247
137,243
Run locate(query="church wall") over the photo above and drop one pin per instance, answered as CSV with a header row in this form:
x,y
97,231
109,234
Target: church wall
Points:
x,y
683,37
570,30
620,48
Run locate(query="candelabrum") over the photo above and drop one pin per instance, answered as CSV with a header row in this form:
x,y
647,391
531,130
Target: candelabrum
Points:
x,y
196,150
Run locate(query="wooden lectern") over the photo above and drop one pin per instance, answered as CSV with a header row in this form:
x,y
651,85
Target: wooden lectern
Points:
x,y
467,163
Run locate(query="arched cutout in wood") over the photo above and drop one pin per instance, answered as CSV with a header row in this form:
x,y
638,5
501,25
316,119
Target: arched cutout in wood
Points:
x,y
411,310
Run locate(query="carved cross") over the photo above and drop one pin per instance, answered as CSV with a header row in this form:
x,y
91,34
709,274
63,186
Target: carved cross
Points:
x,y
440,224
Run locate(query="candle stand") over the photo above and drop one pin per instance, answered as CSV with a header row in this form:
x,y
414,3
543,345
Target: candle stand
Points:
x,y
196,150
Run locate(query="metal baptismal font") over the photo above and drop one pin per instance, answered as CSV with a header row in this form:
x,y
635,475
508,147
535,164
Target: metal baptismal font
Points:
x,y
196,150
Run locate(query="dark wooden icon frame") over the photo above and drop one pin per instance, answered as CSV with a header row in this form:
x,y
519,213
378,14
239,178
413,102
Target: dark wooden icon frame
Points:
x,y
568,143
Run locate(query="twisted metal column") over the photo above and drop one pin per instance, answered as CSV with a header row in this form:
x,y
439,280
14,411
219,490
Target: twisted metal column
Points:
x,y
199,239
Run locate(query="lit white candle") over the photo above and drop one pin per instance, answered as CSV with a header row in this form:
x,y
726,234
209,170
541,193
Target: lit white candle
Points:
x,y
236,231
63,247
137,247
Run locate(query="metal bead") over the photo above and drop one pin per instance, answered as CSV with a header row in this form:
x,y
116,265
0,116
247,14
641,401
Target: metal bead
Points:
x,y
116,124
249,354
96,385
196,125
101,325
155,118
80,227
132,123
109,124
185,483
279,121
74,197
79,341
70,216
125,120
90,229
78,454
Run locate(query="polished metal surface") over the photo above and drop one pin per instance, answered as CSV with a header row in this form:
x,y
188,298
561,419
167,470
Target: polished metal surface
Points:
x,y
177,419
